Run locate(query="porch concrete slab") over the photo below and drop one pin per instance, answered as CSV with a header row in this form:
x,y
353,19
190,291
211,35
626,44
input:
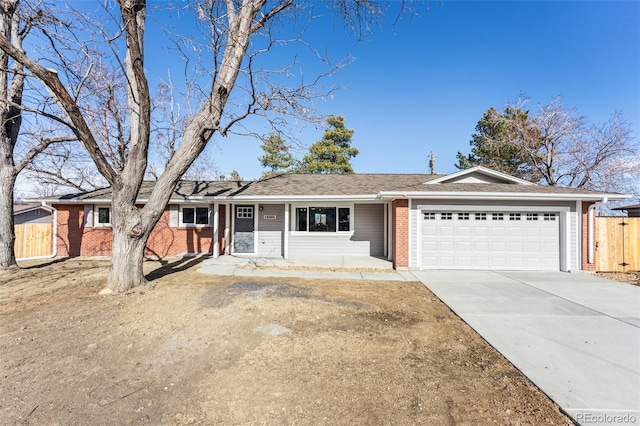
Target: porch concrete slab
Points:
x,y
561,330
364,267
218,269
335,261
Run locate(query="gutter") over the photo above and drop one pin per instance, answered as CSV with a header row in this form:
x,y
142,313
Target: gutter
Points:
x,y
500,196
237,198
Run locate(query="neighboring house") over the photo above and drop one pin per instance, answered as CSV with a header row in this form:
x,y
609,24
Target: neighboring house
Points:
x,y
31,213
473,219
632,211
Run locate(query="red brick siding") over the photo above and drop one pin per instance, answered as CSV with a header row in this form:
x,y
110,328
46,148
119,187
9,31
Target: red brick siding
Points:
x,y
76,240
400,231
585,238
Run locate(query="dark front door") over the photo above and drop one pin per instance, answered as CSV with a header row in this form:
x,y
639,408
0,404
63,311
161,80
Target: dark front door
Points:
x,y
243,229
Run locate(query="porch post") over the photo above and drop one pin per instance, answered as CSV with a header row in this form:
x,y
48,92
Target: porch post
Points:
x,y
227,224
385,229
285,251
390,231
216,233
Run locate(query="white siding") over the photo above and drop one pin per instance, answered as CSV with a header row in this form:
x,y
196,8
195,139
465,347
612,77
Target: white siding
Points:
x,y
270,230
369,226
414,230
328,243
573,243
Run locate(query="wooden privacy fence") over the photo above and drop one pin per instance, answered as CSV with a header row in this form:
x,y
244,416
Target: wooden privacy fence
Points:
x,y
617,244
33,240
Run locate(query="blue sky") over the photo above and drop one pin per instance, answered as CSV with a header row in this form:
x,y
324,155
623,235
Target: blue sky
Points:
x,y
421,84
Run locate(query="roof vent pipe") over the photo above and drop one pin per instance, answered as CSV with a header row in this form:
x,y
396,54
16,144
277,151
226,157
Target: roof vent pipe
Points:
x,y
432,163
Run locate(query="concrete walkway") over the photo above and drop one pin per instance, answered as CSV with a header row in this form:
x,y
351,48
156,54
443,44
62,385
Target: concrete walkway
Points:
x,y
351,268
577,337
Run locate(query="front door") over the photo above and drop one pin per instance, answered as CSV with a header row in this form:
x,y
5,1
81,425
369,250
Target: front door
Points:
x,y
243,229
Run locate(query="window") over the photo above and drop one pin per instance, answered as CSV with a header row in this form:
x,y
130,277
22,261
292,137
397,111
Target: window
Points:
x,y
301,219
481,216
343,219
463,216
104,215
446,216
429,216
323,219
195,215
244,213
497,216
514,216
549,216
532,216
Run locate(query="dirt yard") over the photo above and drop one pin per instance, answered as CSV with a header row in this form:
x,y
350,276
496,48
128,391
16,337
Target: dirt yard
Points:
x,y
196,349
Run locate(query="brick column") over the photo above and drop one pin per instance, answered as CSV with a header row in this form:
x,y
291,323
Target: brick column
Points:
x,y
400,229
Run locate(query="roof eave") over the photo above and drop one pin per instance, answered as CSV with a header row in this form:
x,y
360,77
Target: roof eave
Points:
x,y
503,196
482,170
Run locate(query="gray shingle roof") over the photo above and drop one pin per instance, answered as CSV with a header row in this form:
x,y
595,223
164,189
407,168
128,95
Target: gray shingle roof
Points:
x,y
311,185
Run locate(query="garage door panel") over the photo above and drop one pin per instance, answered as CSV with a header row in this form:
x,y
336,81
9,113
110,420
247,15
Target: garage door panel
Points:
x,y
516,246
486,240
515,232
498,232
447,230
480,231
480,246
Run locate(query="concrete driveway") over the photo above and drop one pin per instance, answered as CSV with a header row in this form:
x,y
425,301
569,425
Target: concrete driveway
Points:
x,y
577,337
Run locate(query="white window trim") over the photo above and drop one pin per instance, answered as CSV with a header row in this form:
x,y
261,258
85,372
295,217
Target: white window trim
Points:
x,y
181,208
292,219
96,216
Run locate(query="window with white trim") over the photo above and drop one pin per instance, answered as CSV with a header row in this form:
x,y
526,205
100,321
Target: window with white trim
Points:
x,y
429,216
103,216
497,216
244,212
514,216
323,219
463,216
446,216
195,216
532,216
549,216
481,216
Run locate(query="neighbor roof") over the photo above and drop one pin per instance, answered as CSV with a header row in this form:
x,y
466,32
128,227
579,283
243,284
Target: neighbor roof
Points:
x,y
634,207
357,186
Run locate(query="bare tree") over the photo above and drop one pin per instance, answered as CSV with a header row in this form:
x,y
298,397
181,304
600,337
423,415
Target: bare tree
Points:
x,y
15,25
237,33
565,149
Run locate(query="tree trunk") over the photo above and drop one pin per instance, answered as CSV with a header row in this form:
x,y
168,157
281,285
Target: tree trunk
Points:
x,y
131,230
7,232
127,259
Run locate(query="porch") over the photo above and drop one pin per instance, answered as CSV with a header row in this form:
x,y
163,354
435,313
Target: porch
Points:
x,y
329,267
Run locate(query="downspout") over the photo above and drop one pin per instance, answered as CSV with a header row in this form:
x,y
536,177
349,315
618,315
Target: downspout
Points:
x,y
591,230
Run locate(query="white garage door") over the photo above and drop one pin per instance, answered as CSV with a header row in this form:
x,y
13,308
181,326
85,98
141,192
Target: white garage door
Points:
x,y
486,240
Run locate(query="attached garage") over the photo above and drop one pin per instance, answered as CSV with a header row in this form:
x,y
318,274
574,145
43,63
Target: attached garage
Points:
x,y
498,240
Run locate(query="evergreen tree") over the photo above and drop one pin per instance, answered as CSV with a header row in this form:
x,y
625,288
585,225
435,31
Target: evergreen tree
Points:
x,y
277,157
332,153
493,143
